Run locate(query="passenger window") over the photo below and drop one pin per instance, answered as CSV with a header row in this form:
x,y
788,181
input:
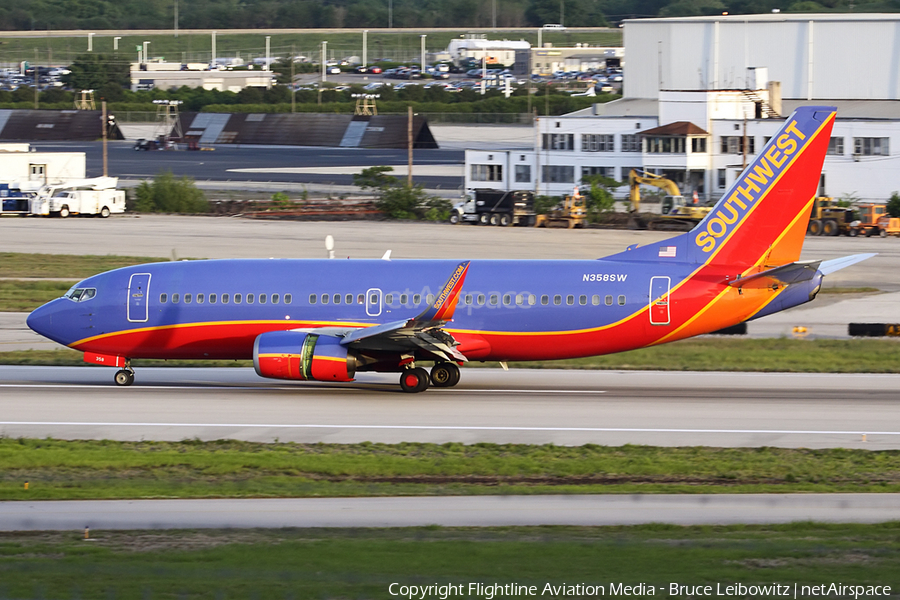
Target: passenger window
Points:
x,y
175,298
188,298
417,299
163,298
288,298
403,299
249,298
336,299
557,299
608,300
480,299
262,298
621,300
595,300
275,298
360,299
348,299
212,298
224,298
388,299
507,299
237,298
582,300
199,298
324,298
520,299
531,299
429,299
545,299
570,299
494,299
468,298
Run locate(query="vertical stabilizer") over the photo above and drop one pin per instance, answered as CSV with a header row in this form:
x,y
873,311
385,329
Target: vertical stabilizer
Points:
x,y
762,219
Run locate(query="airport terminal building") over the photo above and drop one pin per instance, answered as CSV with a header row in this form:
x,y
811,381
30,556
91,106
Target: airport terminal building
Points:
x,y
702,95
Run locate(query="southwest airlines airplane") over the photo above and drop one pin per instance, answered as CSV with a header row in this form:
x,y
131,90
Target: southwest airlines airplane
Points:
x,y
326,320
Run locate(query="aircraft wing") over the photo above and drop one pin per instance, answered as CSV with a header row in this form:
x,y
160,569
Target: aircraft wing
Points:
x,y
421,332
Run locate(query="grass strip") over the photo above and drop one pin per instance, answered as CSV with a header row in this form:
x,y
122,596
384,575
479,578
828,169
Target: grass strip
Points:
x,y
709,353
58,469
362,563
29,266
22,295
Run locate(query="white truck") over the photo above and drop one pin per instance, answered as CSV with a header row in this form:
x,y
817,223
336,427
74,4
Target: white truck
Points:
x,y
97,196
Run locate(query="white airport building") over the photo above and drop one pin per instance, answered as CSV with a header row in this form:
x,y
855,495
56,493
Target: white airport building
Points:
x,y
698,89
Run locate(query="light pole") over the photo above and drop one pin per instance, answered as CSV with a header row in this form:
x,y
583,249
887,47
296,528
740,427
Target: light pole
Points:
x,y
365,48
390,14
90,42
324,60
268,41
423,36
116,42
146,56
212,60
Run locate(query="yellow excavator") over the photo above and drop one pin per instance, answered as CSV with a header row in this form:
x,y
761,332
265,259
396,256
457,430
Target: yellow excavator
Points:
x,y
675,214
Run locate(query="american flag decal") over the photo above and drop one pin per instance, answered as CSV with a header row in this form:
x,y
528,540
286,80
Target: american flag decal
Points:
x,y
667,252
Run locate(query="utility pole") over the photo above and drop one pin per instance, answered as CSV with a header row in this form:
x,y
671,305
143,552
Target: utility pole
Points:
x,y
409,146
104,123
176,18
365,56
324,60
36,79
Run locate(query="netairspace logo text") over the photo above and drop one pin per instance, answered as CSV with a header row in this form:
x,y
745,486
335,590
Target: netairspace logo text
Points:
x,y
490,591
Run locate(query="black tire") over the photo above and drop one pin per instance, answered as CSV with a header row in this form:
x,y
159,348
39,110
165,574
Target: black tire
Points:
x,y
64,211
124,378
505,220
815,227
104,212
484,219
454,218
853,232
444,374
830,228
414,381
495,219
882,233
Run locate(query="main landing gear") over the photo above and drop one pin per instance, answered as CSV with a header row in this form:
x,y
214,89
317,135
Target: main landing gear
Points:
x,y
443,374
125,376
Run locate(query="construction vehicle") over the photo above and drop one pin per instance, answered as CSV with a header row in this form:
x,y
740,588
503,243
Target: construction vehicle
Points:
x,y
828,218
571,213
495,207
889,225
675,213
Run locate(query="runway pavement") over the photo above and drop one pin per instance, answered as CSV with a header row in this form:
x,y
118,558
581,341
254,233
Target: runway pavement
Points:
x,y
489,405
453,511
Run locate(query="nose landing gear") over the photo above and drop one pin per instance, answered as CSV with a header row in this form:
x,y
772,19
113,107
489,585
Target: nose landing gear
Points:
x,y
125,377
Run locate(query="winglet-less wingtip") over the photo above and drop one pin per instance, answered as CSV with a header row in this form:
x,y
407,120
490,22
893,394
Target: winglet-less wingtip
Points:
x,y
445,302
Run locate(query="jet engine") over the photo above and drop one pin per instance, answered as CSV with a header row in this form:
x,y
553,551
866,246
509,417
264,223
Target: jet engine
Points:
x,y
301,355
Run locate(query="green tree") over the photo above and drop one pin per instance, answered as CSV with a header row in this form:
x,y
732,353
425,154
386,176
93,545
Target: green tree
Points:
x,y
170,194
96,71
401,201
893,205
599,199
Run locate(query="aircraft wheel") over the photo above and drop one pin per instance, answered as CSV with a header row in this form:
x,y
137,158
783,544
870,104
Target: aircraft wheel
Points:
x,y
414,380
504,220
124,378
104,212
444,374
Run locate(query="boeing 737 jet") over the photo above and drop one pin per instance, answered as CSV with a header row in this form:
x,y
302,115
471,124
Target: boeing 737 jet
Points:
x,y
327,320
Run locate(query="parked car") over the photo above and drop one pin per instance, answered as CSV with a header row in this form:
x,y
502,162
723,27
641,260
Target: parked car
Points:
x,y
335,70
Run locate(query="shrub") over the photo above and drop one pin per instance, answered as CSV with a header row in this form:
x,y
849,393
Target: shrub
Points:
x,y
893,205
170,194
401,201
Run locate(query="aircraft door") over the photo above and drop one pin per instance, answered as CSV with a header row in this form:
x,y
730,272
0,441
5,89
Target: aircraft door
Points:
x,y
373,302
659,300
138,297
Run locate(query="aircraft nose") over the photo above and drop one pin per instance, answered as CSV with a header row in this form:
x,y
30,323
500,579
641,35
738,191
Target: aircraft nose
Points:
x,y
40,320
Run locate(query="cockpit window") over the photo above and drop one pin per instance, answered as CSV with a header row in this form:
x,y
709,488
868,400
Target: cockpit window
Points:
x,y
77,294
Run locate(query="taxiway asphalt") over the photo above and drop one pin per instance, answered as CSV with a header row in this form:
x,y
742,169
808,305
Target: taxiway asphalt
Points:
x,y
489,405
452,511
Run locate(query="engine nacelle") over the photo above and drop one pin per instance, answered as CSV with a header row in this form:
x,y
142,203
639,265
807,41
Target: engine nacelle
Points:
x,y
299,355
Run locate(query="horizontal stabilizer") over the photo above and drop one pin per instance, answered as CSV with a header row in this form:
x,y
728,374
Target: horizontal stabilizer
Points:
x,y
830,266
779,276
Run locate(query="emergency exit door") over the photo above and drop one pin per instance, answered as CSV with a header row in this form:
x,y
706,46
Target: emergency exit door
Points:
x,y
138,297
659,300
